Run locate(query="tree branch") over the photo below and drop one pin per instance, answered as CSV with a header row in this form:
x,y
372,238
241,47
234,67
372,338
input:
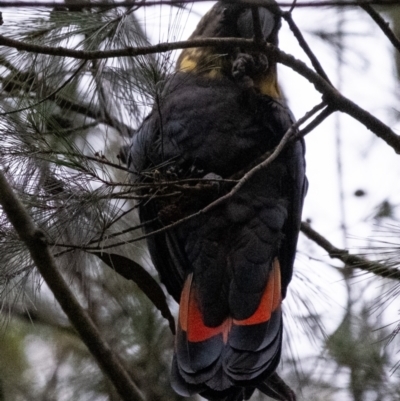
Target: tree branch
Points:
x,y
317,120
355,261
394,40
128,51
60,100
240,174
263,162
78,5
339,102
44,261
107,116
331,95
304,45
51,96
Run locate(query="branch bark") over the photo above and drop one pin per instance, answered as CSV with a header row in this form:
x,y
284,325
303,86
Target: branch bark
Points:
x,y
128,51
78,5
394,40
339,102
304,45
36,243
378,269
263,162
331,95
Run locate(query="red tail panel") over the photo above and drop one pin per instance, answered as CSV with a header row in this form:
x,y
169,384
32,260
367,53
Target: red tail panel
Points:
x,y
191,319
270,300
234,352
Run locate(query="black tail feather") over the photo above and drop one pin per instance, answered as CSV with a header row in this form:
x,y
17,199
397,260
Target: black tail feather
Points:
x,y
276,388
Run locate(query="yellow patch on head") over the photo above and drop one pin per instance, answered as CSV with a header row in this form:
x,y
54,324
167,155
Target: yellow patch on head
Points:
x,y
204,61
209,63
187,64
268,85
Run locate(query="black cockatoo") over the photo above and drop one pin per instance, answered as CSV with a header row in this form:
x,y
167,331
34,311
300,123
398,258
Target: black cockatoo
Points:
x,y
228,267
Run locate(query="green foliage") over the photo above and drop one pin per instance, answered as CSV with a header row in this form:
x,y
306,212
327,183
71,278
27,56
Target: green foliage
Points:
x,y
355,345
13,363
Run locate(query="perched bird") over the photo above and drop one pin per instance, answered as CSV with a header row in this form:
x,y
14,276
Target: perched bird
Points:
x,y
228,266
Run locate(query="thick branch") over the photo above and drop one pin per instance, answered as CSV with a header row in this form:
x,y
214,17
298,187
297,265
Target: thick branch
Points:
x,y
358,262
44,261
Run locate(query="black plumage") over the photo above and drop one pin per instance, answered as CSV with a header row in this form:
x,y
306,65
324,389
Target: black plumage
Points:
x,y
229,267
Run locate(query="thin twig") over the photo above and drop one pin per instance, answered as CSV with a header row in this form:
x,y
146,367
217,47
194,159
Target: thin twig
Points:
x,y
268,158
289,135
122,232
238,175
331,96
340,102
79,5
127,51
97,159
304,45
64,103
292,6
358,262
394,40
35,242
105,107
50,96
6,63
317,121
